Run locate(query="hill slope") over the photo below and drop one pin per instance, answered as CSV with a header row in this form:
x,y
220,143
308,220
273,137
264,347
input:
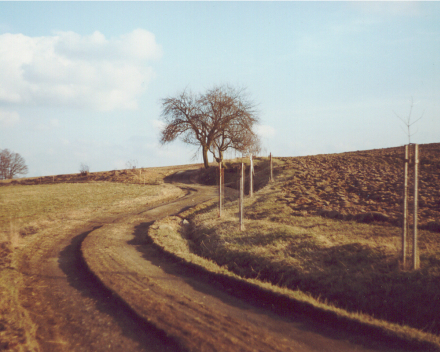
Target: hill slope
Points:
x,y
340,185
339,258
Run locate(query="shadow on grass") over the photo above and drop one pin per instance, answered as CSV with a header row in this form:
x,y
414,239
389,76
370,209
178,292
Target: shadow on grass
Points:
x,y
354,276
258,299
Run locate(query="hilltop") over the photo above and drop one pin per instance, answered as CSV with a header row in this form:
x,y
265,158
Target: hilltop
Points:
x,y
347,185
365,186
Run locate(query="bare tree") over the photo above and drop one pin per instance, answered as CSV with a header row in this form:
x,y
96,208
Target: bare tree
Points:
x,y
235,115
84,169
221,118
408,122
131,164
11,164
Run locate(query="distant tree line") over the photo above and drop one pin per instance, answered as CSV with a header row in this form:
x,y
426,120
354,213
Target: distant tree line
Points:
x,y
11,164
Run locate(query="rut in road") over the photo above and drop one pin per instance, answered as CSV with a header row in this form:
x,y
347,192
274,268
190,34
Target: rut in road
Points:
x,y
75,312
71,309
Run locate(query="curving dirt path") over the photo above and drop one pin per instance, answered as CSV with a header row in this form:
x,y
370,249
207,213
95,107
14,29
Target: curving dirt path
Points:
x,y
72,310
130,297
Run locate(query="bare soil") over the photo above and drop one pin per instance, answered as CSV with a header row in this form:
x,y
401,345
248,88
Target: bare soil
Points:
x,y
365,186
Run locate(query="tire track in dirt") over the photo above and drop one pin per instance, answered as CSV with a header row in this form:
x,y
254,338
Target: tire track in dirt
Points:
x,y
74,312
71,309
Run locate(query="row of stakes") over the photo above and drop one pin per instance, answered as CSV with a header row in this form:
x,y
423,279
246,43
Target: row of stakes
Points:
x,y
251,186
405,230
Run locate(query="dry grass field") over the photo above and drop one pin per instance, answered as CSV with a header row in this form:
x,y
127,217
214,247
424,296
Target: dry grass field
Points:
x,y
31,208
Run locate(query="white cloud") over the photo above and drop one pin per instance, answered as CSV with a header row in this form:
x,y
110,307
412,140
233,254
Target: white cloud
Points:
x,y
68,69
8,118
265,131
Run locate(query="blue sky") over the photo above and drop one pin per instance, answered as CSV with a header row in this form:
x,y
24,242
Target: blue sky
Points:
x,y
81,82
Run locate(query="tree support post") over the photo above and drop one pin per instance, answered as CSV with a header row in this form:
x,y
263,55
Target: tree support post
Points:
x,y
416,258
241,197
271,168
405,207
251,177
220,189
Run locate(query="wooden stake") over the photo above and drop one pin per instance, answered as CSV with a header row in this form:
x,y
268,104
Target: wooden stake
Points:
x,y
241,197
271,168
220,190
416,258
405,207
251,177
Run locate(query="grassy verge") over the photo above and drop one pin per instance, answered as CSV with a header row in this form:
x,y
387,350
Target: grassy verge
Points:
x,y
17,331
28,212
354,266
347,268
172,238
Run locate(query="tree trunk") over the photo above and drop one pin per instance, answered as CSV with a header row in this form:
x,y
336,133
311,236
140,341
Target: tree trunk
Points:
x,y
205,156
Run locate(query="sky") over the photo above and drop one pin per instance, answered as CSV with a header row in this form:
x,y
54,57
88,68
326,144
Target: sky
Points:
x,y
82,82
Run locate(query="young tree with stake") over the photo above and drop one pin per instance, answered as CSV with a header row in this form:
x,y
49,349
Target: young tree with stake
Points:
x,y
408,122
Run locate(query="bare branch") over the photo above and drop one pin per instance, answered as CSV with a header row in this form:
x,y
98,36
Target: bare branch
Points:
x,y
220,119
418,118
408,122
11,164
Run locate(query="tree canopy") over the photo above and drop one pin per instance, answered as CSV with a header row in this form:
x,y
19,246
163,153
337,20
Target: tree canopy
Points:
x,y
217,120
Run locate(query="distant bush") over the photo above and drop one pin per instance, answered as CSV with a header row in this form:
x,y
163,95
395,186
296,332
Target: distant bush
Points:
x,y
84,170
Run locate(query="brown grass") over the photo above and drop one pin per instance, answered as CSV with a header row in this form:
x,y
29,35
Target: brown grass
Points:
x,y
30,211
349,265
354,266
175,238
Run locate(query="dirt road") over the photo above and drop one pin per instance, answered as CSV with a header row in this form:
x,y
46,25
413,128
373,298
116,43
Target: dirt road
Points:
x,y
103,287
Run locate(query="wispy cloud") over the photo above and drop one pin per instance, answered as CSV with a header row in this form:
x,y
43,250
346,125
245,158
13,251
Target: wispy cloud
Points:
x,y
71,70
265,131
